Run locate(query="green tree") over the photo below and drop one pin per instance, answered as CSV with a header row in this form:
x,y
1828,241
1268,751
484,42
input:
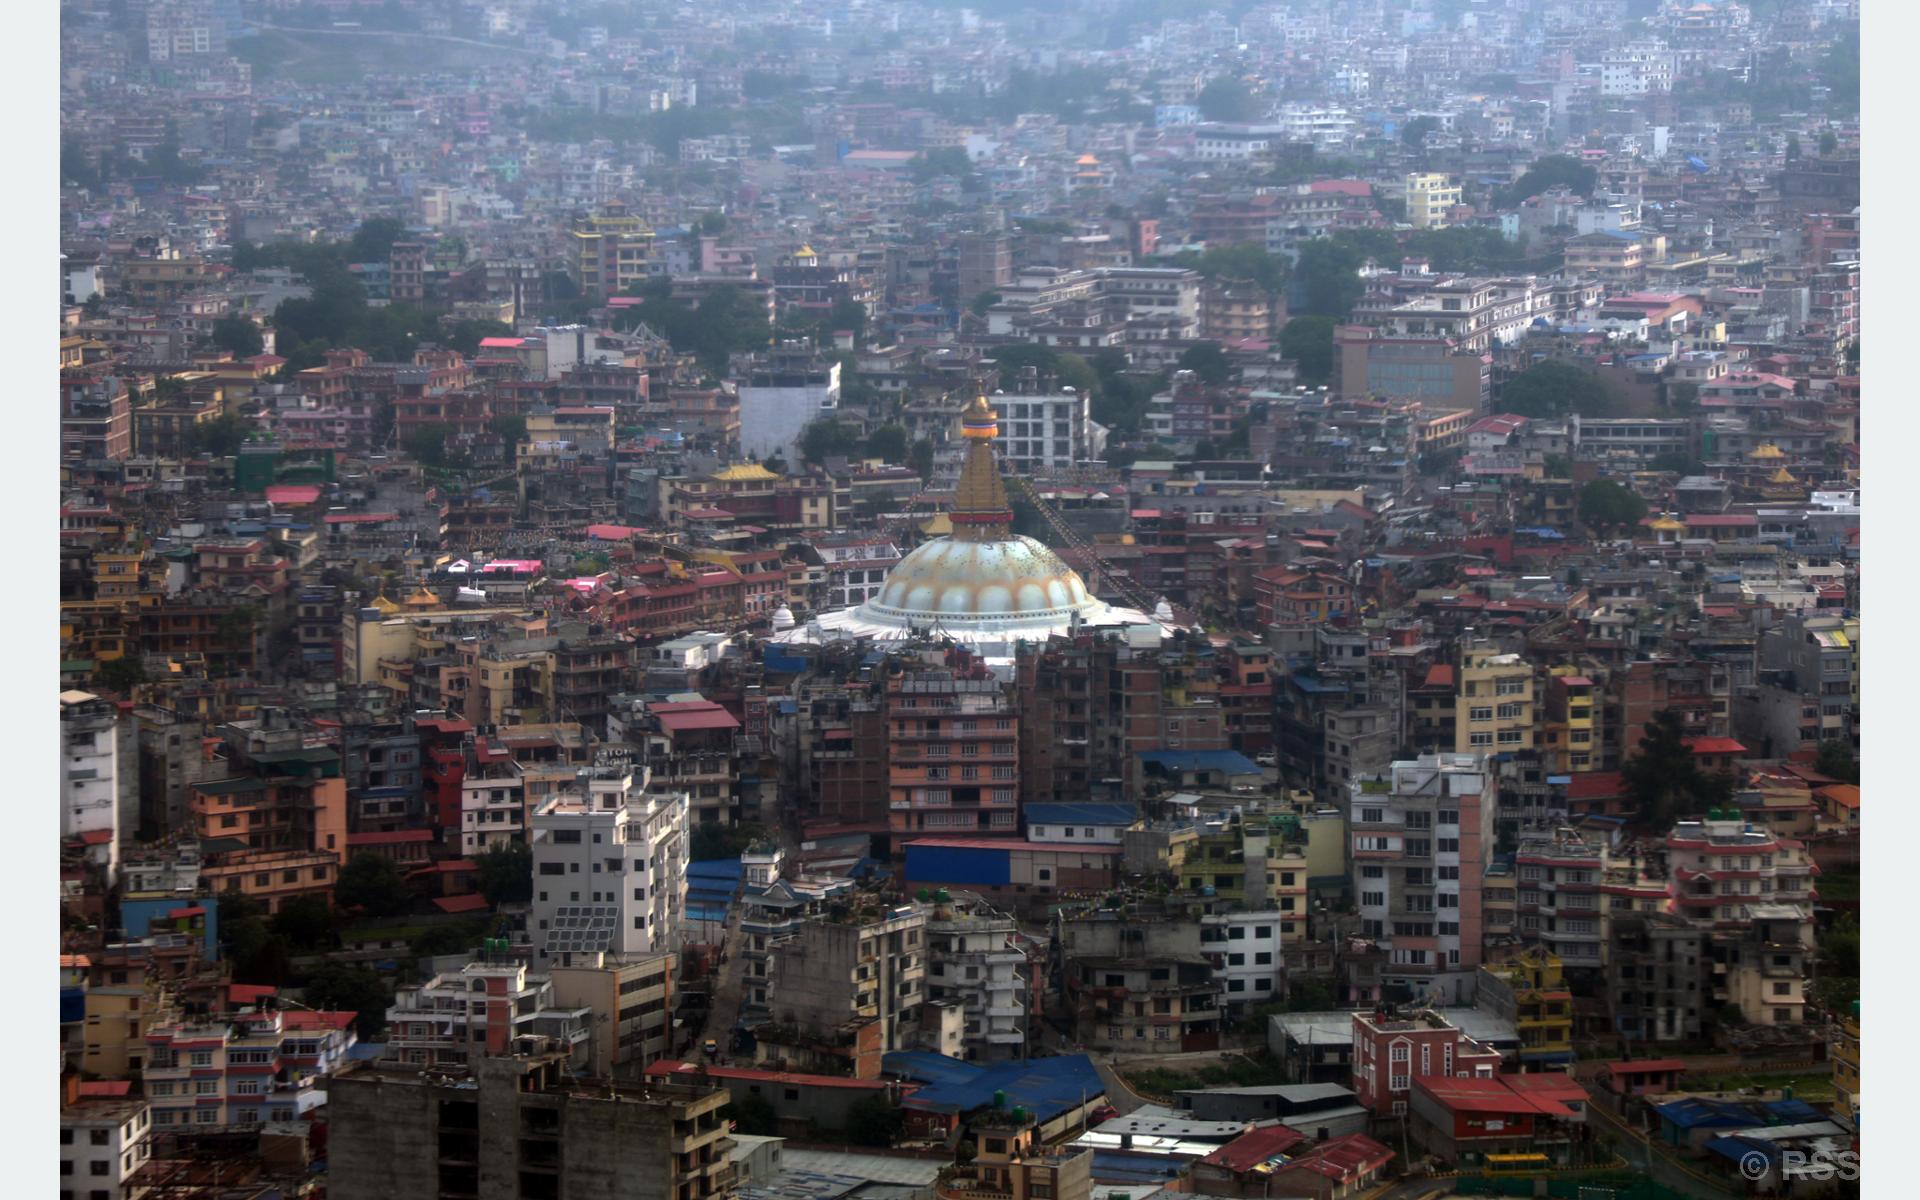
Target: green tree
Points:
x,y
1208,362
1677,461
1553,388
1545,173
465,336
1413,134
1309,993
1228,99
1606,505
510,428
1308,341
1836,760
1664,780
121,674
504,872
373,241
220,437
1327,277
1556,466
828,439
888,443
1240,260
874,1121
1829,143
979,305
427,444
373,884
921,458
345,987
303,922
753,1115
1683,396
239,335
454,938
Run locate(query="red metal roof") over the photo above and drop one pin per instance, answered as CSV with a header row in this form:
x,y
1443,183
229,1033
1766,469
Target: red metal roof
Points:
x,y
1487,1096
290,493
1012,844
1715,746
472,902
105,1089
1251,1149
713,718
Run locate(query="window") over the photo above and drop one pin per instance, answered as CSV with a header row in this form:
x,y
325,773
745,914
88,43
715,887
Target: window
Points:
x,y
96,1137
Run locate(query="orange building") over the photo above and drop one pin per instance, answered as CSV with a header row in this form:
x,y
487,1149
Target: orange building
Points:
x,y
954,753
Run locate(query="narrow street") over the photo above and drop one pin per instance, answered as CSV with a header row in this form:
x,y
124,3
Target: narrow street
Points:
x,y
723,1008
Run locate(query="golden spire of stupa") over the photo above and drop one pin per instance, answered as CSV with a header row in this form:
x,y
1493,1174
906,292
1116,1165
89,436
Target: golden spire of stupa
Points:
x,y
980,510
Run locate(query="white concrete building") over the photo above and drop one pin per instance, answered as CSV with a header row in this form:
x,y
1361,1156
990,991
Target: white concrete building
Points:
x,y
89,773
103,1142
1247,959
779,399
609,867
975,962
1046,431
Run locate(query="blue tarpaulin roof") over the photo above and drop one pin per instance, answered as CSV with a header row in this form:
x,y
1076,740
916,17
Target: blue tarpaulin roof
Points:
x,y
1081,814
1698,1112
1231,761
1045,1087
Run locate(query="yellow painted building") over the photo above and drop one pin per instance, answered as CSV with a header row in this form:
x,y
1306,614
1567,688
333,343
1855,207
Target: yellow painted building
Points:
x,y
1846,1069
1429,197
1494,710
1531,991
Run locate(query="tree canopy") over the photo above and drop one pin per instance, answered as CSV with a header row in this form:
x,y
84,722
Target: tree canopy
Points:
x,y
238,335
888,443
1208,362
1606,505
1228,99
1665,781
1308,341
826,439
373,884
1553,388
1547,172
504,873
1327,278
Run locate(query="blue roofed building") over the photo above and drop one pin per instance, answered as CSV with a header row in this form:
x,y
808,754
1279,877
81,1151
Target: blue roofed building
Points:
x,y
1219,769
1080,824
1059,1093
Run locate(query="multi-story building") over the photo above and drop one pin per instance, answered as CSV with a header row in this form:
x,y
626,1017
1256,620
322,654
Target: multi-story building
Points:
x,y
1390,1051
89,771
1752,892
1423,837
953,753
520,1126
493,798
1011,1161
785,390
1245,949
609,867
608,251
1056,430
1138,984
632,1010
241,1069
481,1010
1494,712
868,967
1430,198
1568,889
104,1141
1657,964
1530,992
1846,1068
976,959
